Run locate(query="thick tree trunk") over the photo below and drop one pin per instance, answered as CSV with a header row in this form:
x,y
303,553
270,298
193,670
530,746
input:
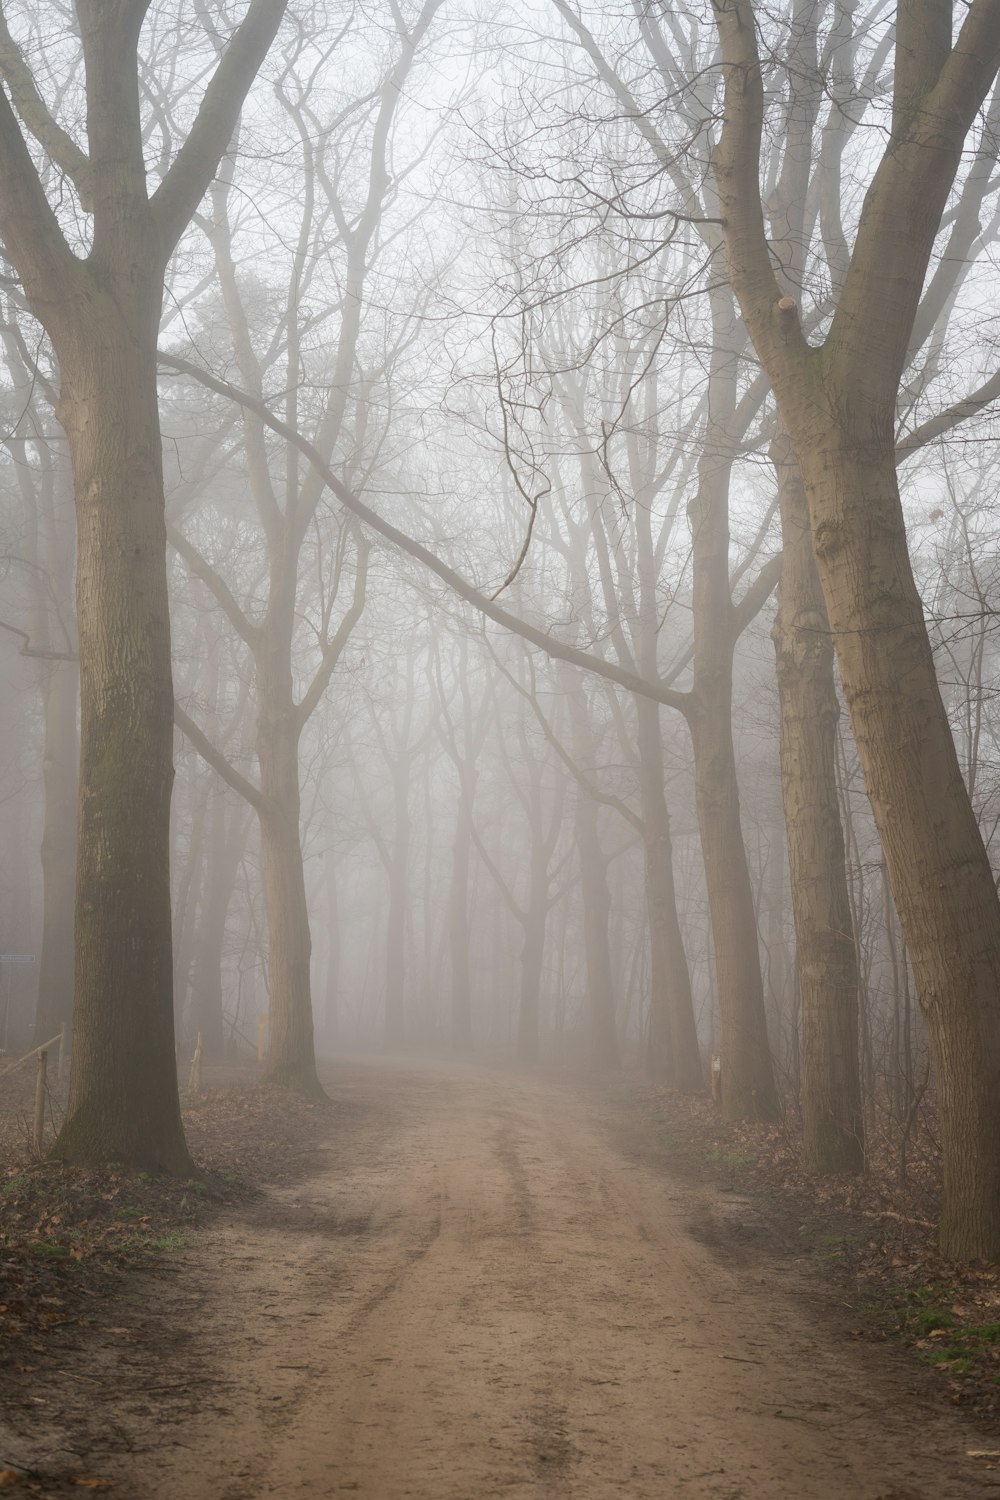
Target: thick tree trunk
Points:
x,y
937,863
838,405
60,774
102,314
833,1123
123,1095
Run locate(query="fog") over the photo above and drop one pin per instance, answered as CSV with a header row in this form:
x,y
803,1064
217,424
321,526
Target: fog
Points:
x,y
498,568
447,258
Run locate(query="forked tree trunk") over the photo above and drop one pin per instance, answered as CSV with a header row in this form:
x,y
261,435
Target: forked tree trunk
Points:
x,y
838,406
832,1117
102,314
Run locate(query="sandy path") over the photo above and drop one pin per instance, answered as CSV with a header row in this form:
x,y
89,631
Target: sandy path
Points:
x,y
484,1297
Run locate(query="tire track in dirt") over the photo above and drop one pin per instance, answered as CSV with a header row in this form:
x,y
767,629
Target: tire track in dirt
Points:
x,y
485,1298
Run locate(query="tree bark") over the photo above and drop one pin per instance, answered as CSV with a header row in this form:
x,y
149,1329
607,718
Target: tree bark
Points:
x,y
832,1118
102,315
673,1052
748,1090
396,919
602,1036
60,775
532,954
838,407
291,1056
225,851
123,1100
458,924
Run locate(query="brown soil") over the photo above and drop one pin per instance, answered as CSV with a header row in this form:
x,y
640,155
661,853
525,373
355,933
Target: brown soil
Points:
x,y
478,1286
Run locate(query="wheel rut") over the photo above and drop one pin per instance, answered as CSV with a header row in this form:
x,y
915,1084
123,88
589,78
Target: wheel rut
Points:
x,y
484,1298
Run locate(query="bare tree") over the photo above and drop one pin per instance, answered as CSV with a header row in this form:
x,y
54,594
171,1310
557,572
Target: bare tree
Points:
x,y
101,312
838,402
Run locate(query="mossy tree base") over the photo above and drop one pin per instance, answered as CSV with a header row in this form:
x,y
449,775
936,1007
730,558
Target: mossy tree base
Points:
x,y
90,1139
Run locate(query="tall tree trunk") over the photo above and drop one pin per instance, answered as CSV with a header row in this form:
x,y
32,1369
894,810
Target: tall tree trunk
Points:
x,y
838,405
832,1118
395,942
602,1036
748,1090
458,925
532,954
60,773
938,868
189,890
123,1089
673,1037
102,314
225,852
291,1055
334,955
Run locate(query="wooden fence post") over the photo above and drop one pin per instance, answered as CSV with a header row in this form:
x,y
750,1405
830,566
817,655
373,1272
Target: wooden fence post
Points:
x,y
61,1064
40,1100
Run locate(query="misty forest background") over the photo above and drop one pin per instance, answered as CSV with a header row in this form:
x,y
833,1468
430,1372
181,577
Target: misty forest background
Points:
x,y
547,757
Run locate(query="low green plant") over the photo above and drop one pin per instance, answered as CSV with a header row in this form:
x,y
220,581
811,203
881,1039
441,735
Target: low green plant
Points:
x,y
731,1156
927,1320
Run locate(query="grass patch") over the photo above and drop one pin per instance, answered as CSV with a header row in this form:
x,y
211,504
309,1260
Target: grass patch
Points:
x,y
827,1249
940,1336
931,1319
731,1156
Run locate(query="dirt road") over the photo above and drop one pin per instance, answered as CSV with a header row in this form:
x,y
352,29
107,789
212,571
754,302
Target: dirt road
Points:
x,y
477,1293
